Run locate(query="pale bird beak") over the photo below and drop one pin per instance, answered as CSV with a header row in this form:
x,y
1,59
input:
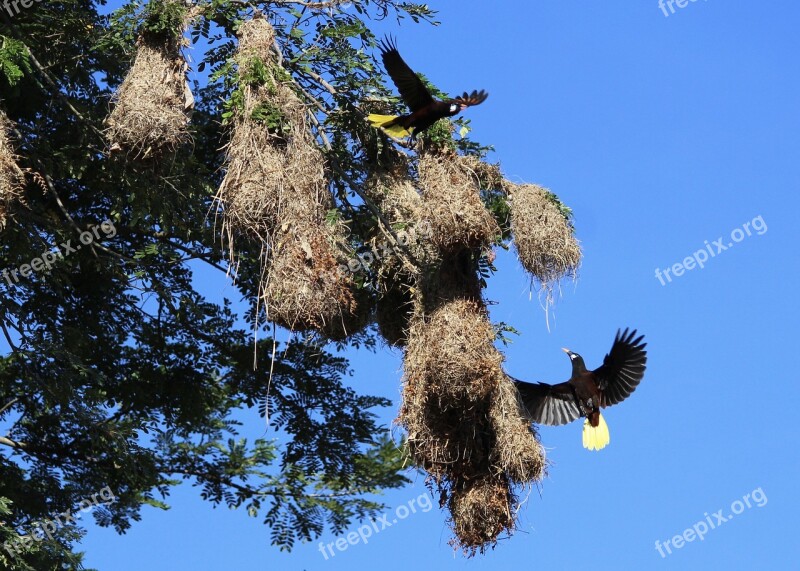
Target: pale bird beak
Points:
x,y
567,351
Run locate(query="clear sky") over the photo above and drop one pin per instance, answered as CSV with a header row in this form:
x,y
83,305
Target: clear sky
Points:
x,y
662,132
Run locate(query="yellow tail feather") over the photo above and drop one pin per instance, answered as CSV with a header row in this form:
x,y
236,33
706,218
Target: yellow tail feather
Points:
x,y
596,437
394,131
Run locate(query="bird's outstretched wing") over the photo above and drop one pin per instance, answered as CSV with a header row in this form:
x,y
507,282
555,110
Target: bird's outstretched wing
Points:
x,y
548,404
622,368
470,99
410,86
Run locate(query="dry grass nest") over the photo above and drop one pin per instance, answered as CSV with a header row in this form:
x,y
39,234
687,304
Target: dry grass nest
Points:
x,y
453,349
394,193
465,423
272,160
12,179
462,413
451,443
543,236
306,288
452,202
275,193
516,451
399,267
153,104
480,510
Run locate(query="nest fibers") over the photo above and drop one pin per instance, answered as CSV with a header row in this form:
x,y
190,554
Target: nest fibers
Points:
x,y
544,238
481,509
275,192
403,255
306,289
153,104
451,194
465,424
516,451
453,349
260,166
11,176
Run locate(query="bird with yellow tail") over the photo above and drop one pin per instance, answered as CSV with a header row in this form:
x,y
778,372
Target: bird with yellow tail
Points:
x,y
587,391
425,110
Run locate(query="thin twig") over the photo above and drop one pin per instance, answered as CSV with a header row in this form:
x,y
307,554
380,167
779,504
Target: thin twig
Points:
x,y
7,405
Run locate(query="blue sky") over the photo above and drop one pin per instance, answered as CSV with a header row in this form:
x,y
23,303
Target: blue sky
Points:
x,y
662,133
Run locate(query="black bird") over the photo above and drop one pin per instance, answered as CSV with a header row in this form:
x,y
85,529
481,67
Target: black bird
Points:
x,y
425,110
587,391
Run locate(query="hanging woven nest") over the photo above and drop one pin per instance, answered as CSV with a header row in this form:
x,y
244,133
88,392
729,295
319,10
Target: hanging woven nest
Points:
x,y
275,194
543,235
153,104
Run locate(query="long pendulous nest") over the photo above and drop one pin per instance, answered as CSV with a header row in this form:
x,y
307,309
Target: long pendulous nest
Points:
x,y
275,193
465,424
269,150
12,178
543,235
153,104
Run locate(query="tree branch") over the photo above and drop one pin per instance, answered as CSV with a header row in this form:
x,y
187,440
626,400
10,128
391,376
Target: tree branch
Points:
x,y
12,443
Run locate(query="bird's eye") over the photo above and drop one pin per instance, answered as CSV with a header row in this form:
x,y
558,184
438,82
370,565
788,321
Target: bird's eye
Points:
x,y
453,108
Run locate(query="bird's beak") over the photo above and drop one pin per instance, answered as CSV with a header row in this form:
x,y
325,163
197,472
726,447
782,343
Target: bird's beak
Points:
x,y
567,351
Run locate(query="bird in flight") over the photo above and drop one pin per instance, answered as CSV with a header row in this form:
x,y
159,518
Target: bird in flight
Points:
x,y
425,110
588,391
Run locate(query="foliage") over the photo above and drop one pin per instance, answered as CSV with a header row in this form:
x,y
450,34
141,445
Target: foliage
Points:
x,y
163,18
121,372
14,62
565,210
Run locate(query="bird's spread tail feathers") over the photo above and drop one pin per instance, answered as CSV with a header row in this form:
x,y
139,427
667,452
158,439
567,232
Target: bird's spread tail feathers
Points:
x,y
596,437
386,122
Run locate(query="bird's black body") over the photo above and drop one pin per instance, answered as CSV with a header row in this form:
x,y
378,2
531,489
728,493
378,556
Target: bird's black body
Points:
x,y
425,109
420,120
587,391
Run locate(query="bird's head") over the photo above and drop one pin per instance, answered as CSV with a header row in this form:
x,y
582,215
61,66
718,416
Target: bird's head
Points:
x,y
456,108
578,365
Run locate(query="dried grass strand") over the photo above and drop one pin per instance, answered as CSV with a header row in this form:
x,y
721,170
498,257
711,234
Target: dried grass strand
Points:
x,y
12,178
